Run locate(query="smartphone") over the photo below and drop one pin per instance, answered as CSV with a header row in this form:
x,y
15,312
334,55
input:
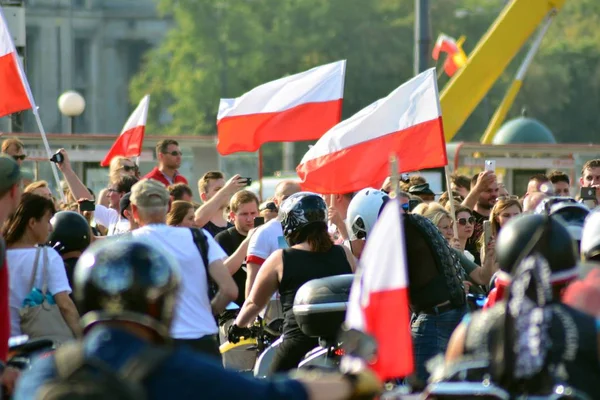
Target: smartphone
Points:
x,y
258,221
87,205
487,232
490,165
248,181
57,157
412,204
587,193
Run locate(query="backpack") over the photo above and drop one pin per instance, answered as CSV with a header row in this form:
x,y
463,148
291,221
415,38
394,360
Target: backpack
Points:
x,y
80,377
201,243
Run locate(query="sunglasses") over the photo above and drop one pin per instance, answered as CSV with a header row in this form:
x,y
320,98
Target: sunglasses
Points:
x,y
20,157
129,168
464,221
174,153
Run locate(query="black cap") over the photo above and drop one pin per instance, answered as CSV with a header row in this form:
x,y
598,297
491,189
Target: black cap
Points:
x,y
268,205
124,203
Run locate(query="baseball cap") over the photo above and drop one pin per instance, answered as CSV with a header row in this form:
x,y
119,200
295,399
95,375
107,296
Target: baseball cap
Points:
x,y
124,203
149,193
10,173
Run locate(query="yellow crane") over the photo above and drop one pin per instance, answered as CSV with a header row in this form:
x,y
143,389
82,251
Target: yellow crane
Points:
x,y
513,27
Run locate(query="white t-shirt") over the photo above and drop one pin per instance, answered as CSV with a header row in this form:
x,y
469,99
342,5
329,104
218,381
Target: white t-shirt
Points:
x,y
193,315
265,241
20,267
111,219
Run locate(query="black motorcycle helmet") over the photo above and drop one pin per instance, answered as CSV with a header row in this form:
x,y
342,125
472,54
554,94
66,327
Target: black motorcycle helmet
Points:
x,y
70,232
300,211
527,234
127,280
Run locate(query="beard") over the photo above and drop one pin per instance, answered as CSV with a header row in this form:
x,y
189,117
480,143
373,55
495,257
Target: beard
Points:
x,y
487,205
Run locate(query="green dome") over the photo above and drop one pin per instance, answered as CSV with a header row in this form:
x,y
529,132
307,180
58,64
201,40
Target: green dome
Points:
x,y
523,130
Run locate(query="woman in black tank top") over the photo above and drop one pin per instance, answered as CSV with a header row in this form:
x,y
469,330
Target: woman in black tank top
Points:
x,y
312,255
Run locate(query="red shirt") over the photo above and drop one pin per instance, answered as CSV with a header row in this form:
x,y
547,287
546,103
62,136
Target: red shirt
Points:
x,y
159,176
4,312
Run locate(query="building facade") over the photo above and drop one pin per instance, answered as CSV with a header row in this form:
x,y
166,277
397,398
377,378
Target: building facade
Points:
x,y
92,46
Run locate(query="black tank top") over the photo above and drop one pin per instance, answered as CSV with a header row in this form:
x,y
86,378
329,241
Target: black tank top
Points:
x,y
574,337
301,266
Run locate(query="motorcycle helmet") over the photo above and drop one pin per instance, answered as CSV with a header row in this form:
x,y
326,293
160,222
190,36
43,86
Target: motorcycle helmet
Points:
x,y
573,214
363,211
548,236
299,211
126,280
590,237
70,232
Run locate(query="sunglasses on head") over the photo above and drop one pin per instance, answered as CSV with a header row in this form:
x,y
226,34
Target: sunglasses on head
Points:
x,y
174,153
510,197
20,157
463,221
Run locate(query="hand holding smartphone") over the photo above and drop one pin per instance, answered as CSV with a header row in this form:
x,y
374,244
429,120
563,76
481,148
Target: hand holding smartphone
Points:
x,y
490,165
487,232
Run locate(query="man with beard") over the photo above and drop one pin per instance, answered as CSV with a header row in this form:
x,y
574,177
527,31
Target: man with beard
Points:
x,y
481,199
168,155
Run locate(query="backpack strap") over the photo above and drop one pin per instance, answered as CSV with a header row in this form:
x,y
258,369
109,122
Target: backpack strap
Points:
x,y
68,358
142,365
201,243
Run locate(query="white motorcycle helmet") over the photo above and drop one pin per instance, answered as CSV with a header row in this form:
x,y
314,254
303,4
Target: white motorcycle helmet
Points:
x,y
363,211
574,214
590,237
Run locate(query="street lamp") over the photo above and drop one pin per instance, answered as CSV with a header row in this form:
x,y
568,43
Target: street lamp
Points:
x,y
71,104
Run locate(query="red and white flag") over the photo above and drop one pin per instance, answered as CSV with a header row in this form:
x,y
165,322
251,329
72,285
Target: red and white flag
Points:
x,y
354,154
298,107
129,142
378,302
15,94
456,58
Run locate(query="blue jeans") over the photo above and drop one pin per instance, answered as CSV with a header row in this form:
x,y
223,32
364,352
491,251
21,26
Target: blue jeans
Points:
x,y
430,334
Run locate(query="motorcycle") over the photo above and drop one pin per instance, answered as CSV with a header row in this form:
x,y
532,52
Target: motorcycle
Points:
x,y
320,309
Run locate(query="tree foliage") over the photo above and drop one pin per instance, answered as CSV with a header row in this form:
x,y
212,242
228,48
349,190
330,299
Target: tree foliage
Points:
x,y
223,48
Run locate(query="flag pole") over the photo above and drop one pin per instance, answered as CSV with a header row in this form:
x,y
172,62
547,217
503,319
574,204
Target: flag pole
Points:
x,y
260,174
451,201
49,152
394,177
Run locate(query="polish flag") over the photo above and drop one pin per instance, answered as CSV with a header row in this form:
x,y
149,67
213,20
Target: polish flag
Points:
x,y
378,302
15,94
129,142
298,107
354,154
456,58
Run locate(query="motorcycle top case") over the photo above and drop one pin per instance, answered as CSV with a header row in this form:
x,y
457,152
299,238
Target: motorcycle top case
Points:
x,y
320,305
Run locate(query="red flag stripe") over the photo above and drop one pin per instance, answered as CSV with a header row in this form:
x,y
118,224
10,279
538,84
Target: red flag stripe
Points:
x,y
384,310
13,95
418,149
303,122
128,144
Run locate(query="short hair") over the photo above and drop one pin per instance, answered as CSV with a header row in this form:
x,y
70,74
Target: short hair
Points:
x,y
35,185
206,178
588,165
461,181
242,197
559,176
11,142
539,178
163,145
178,190
124,184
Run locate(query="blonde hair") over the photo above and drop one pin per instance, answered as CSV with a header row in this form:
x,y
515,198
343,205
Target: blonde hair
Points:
x,y
115,167
35,185
498,208
432,211
178,211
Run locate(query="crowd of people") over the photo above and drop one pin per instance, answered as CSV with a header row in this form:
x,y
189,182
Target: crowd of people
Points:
x,y
143,262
